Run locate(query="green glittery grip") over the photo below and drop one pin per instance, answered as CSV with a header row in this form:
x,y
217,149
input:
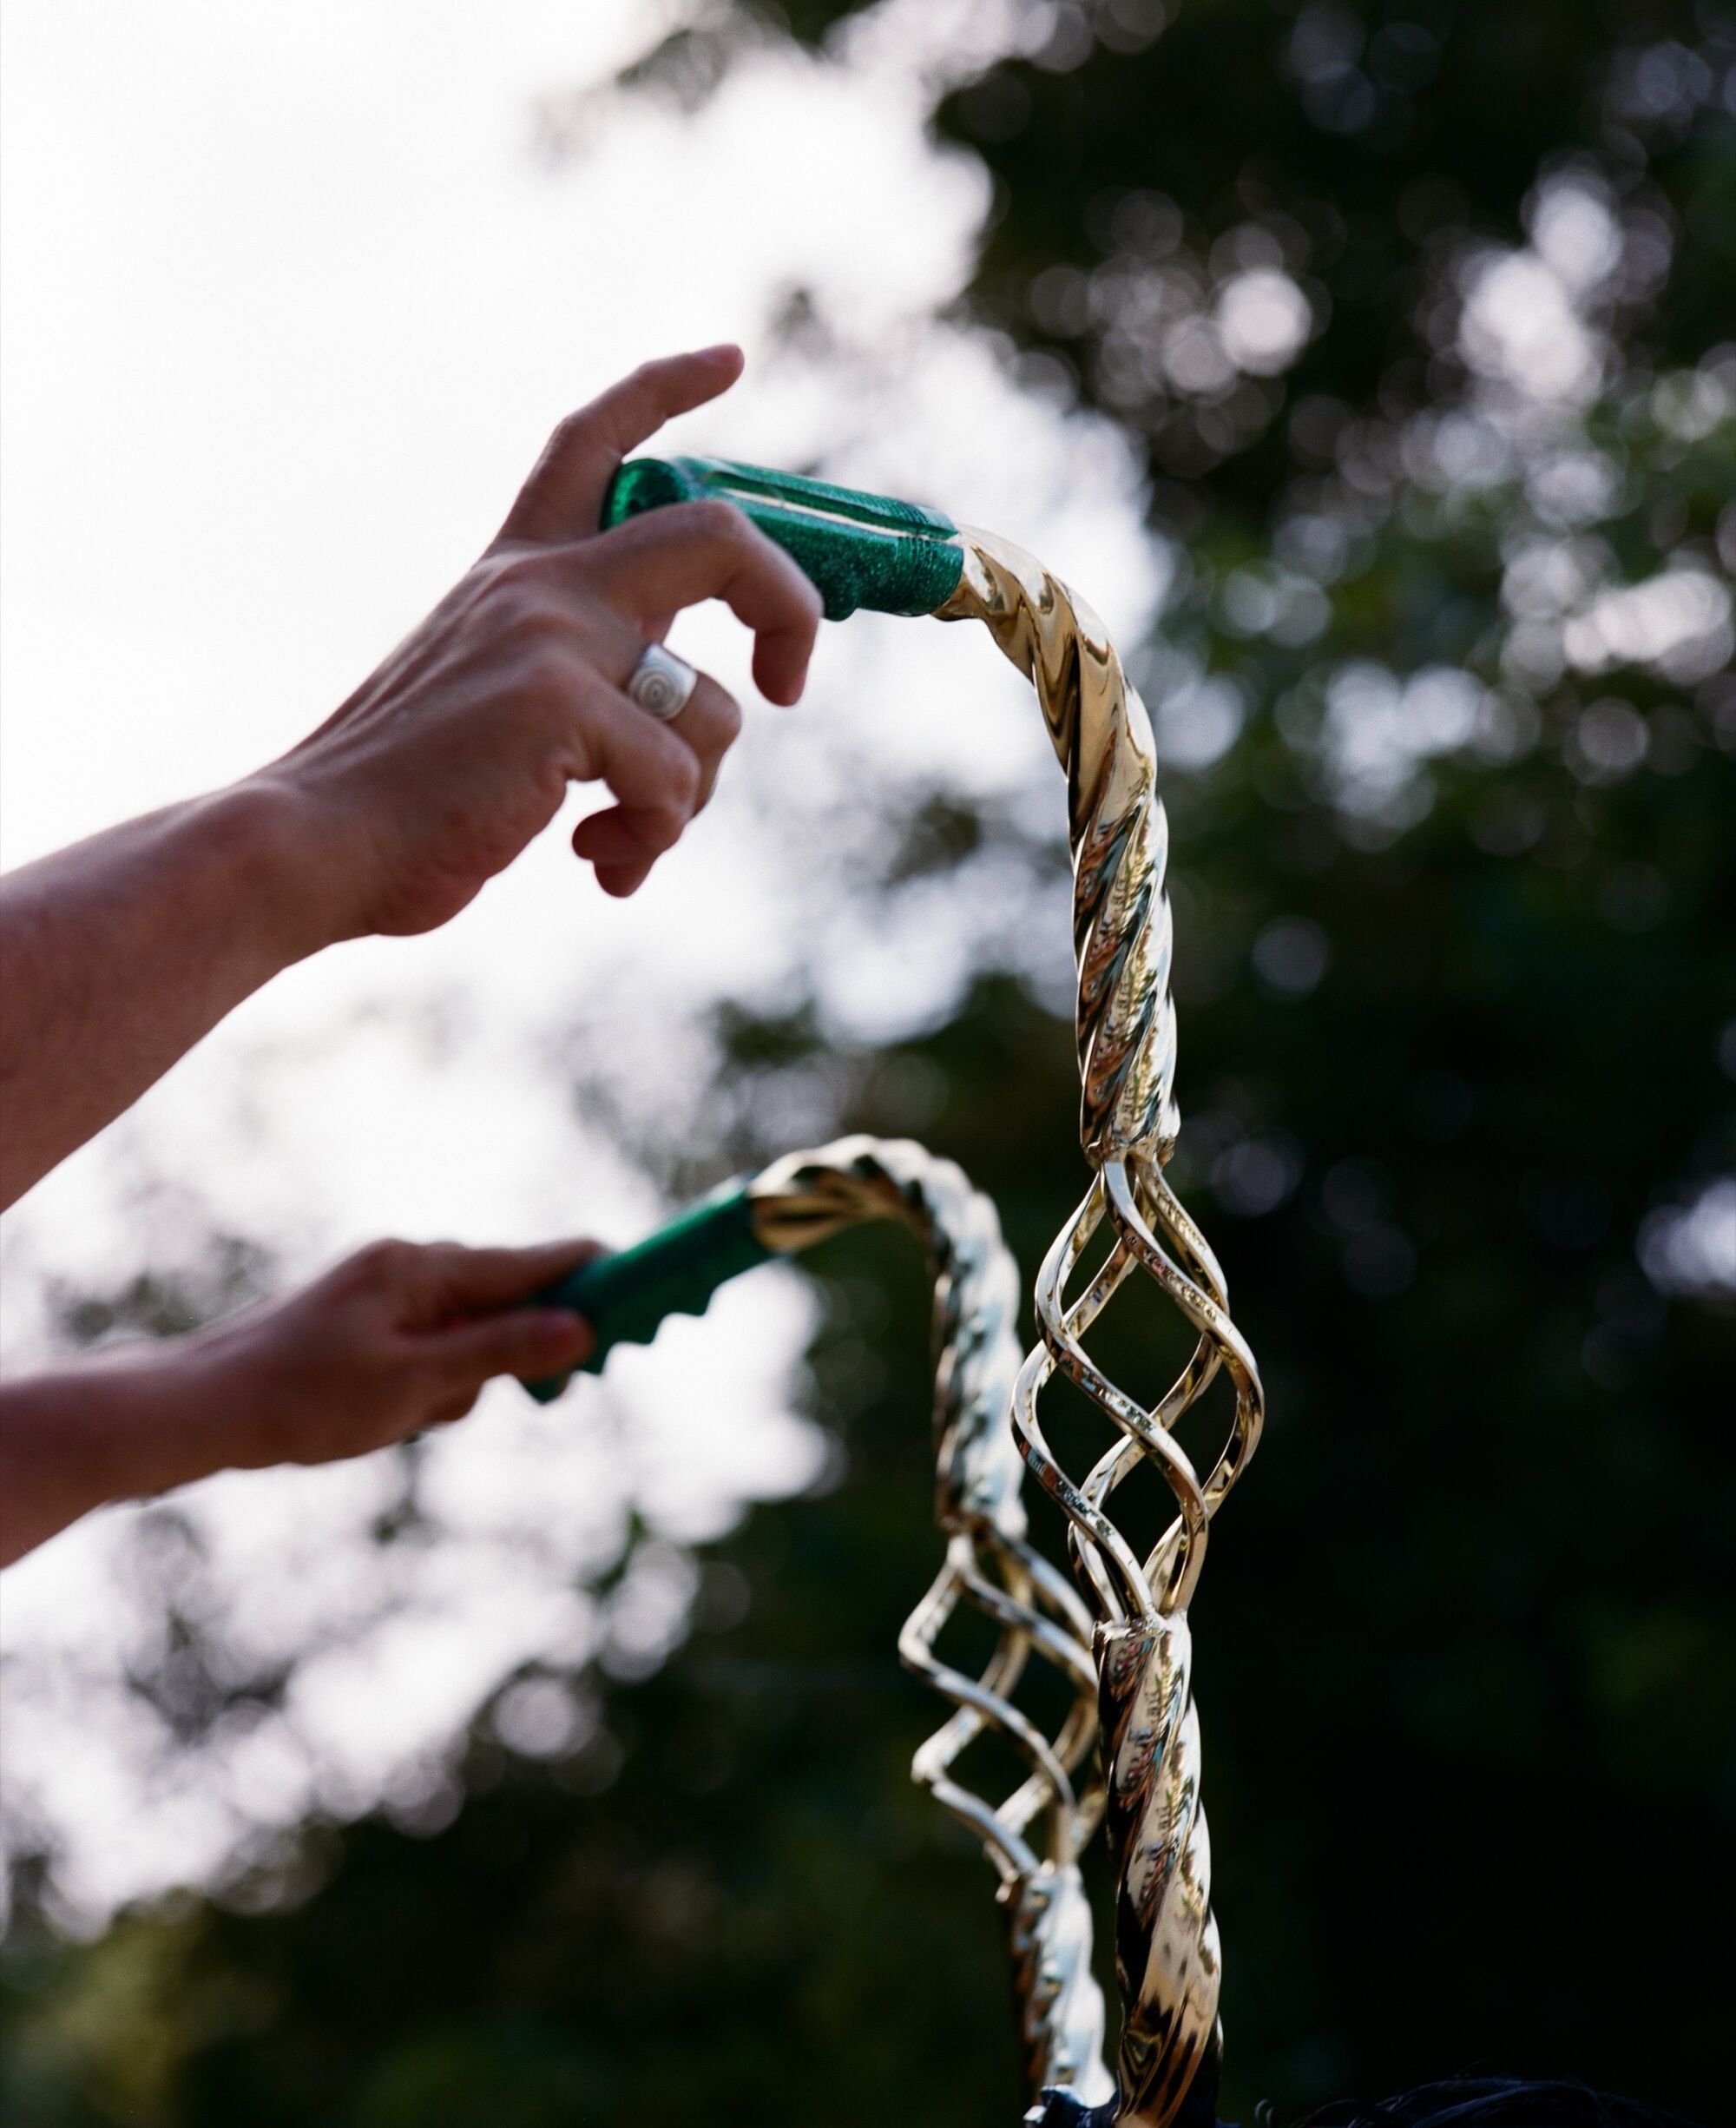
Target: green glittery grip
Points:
x,y
673,1272
860,549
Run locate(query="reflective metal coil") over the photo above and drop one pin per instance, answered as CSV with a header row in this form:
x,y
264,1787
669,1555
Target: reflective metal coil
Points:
x,y
1167,1956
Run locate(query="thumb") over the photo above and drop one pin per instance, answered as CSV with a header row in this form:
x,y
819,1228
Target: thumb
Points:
x,y
530,1342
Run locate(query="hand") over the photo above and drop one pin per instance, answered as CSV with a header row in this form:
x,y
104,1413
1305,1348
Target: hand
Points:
x,y
444,764
394,1339
397,1338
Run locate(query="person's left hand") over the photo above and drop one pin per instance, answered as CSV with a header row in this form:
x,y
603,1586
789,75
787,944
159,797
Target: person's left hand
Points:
x,y
459,749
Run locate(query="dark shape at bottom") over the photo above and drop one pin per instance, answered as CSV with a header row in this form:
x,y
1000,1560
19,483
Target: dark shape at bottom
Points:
x,y
1495,2102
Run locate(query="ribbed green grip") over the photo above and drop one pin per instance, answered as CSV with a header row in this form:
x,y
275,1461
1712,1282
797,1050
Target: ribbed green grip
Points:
x,y
673,1272
860,549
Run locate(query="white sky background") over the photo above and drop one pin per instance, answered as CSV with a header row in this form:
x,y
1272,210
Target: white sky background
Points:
x,y
290,303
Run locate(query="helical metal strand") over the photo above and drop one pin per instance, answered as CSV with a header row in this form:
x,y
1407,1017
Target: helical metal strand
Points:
x,y
1167,1956
1035,1835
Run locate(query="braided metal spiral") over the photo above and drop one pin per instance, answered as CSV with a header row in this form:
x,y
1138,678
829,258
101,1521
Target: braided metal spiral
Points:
x,y
1125,1653
1035,1835
1167,1957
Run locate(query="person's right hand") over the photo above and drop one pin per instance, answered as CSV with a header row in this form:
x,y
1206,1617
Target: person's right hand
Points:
x,y
444,764
398,1337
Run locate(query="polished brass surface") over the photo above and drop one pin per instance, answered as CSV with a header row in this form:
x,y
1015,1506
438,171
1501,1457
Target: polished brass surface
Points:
x,y
1124,1751
1101,736
1035,1835
1167,1957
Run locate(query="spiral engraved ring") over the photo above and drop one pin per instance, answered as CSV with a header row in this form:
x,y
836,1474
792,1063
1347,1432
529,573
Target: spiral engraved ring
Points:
x,y
661,683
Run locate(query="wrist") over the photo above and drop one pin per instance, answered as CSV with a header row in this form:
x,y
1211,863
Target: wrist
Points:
x,y
142,1418
259,834
122,1425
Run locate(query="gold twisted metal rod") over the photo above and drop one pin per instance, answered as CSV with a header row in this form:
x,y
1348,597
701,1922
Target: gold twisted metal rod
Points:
x,y
1036,1835
1123,1655
1167,1953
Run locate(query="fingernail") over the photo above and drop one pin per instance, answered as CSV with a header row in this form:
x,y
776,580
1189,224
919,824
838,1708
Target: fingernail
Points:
x,y
717,348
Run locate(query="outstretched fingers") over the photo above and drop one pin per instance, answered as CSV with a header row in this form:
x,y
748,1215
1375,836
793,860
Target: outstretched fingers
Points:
x,y
630,582
563,499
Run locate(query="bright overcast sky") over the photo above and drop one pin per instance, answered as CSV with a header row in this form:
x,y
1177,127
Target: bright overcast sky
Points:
x,y
290,301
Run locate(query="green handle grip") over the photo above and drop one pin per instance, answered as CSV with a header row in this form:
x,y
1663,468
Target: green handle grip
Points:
x,y
860,549
673,1272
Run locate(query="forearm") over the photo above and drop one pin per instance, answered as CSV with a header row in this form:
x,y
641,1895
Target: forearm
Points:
x,y
119,1427
117,955
395,1339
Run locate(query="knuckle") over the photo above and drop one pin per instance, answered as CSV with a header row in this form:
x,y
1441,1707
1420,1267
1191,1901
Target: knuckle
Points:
x,y
776,557
659,827
517,566
608,637
572,428
528,576
386,1261
721,521
720,714
784,577
520,598
645,388
545,673
682,776
793,580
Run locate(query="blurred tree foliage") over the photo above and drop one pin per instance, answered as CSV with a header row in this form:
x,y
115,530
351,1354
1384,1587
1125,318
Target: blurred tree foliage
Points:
x,y
1416,310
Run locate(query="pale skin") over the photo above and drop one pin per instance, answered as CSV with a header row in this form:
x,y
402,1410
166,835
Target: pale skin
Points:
x,y
119,954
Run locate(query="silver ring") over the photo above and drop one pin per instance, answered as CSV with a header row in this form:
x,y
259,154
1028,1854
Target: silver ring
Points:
x,y
661,682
